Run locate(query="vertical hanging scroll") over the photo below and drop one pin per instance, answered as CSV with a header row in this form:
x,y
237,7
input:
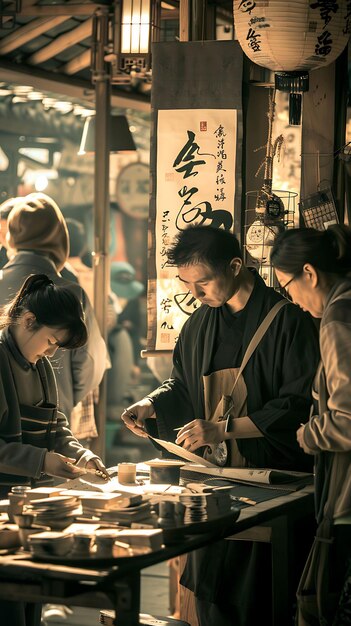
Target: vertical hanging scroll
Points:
x,y
195,166
195,186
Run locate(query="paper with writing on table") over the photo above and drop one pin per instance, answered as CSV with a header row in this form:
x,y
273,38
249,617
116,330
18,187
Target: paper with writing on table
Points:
x,y
173,448
263,476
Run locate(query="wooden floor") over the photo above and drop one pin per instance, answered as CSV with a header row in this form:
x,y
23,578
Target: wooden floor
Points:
x,y
154,601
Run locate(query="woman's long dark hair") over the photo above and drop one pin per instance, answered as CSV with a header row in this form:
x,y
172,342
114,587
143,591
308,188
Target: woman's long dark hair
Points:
x,y
328,250
55,306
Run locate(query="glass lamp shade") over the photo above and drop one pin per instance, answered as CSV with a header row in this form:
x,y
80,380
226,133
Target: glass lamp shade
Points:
x,y
121,139
135,26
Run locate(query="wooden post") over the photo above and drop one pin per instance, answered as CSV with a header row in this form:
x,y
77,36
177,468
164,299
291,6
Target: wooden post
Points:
x,y
101,208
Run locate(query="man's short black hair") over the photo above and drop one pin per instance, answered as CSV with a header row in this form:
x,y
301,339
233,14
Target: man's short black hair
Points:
x,y
214,247
6,207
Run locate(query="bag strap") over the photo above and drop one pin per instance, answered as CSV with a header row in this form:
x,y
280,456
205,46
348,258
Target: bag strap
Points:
x,y
259,334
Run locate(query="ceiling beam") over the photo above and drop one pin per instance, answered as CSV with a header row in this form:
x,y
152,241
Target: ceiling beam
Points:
x,y
64,85
69,9
80,62
10,18
26,33
72,37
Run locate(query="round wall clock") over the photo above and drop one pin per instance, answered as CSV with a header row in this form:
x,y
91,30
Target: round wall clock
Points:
x,y
132,190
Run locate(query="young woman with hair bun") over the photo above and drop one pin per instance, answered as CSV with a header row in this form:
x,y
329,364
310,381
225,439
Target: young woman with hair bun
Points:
x,y
35,439
314,268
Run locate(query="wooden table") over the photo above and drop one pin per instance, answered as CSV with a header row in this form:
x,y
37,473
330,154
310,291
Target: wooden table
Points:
x,y
117,585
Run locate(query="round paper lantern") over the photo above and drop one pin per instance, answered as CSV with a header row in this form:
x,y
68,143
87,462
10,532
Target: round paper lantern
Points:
x,y
292,37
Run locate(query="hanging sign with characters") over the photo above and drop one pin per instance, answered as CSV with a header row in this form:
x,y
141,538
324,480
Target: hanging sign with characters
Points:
x,y
196,151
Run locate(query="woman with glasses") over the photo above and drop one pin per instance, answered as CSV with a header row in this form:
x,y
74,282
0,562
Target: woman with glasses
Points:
x,y
314,267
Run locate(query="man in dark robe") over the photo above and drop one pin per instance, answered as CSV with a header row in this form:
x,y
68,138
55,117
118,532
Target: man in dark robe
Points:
x,y
231,579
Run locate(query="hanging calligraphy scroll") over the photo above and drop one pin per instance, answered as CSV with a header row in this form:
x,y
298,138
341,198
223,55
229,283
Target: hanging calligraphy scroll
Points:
x,y
195,166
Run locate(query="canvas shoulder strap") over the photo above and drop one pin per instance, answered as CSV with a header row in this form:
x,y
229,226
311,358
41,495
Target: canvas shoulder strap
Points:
x,y
259,334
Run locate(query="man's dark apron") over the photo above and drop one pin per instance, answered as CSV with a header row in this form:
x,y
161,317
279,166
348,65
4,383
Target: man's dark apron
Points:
x,y
223,390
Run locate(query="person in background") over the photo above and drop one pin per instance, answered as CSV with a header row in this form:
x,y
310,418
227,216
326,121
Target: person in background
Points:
x,y
84,273
125,286
77,247
124,339
263,406
35,440
37,241
314,268
82,417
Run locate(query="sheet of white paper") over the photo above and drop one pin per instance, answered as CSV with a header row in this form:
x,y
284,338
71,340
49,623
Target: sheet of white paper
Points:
x,y
106,487
183,454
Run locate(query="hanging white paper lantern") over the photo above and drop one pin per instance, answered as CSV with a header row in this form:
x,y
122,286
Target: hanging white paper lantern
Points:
x,y
292,37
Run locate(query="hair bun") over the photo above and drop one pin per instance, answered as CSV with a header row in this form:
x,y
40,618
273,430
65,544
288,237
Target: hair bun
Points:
x,y
35,282
339,237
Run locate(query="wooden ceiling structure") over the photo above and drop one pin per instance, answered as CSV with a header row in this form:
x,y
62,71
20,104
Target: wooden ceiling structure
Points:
x,y
48,43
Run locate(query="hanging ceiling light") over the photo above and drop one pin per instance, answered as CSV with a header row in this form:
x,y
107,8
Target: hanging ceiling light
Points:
x,y
136,24
120,136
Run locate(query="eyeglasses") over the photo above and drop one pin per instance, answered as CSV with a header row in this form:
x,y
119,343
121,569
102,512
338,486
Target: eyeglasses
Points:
x,y
288,283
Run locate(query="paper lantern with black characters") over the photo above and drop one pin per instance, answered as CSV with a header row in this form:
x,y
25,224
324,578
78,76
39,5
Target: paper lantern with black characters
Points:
x,y
292,37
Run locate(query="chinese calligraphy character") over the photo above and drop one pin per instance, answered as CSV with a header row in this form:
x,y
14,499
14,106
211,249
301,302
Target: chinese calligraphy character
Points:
x,y
166,304
246,6
187,156
186,302
326,7
203,212
220,167
184,191
220,180
164,325
220,196
222,154
200,212
253,38
324,45
219,132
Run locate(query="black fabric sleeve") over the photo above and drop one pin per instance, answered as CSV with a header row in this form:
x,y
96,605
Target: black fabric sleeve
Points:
x,y
172,402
